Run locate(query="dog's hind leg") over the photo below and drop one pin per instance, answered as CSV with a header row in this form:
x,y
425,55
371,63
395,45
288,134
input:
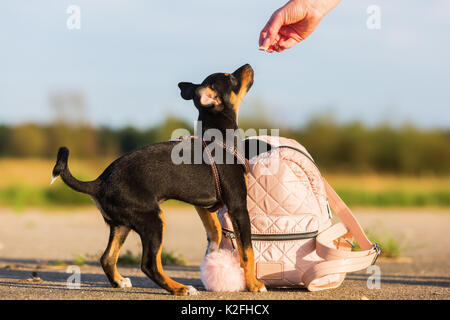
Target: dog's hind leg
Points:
x,y
151,231
117,237
212,227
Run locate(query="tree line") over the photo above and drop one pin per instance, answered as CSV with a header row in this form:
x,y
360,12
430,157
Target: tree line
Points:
x,y
339,147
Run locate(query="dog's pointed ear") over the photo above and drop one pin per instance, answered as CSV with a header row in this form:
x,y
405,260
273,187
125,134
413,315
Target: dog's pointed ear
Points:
x,y
187,90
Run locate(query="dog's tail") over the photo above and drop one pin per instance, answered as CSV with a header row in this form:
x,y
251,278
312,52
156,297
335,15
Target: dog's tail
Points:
x,y
61,169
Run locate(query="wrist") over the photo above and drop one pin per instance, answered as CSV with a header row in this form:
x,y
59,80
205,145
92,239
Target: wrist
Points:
x,y
325,6
317,8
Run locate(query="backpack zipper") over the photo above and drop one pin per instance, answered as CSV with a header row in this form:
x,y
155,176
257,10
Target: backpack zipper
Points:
x,y
274,237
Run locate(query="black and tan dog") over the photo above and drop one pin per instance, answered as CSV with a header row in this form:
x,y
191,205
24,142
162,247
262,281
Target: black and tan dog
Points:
x,y
129,191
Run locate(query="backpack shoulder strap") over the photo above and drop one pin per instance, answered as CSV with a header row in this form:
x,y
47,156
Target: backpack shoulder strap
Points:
x,y
340,259
347,217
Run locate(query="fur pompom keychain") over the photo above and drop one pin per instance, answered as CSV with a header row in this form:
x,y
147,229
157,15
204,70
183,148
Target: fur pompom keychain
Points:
x,y
221,271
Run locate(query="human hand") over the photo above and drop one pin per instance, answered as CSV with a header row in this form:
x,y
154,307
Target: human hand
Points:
x,y
293,23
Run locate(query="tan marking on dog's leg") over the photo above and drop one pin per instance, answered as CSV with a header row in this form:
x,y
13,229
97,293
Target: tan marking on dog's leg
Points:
x,y
212,226
117,237
247,258
175,287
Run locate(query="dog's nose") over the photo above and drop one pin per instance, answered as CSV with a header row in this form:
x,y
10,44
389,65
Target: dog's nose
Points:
x,y
247,72
247,66
246,69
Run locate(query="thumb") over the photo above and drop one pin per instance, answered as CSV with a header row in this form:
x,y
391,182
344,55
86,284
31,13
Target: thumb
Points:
x,y
270,31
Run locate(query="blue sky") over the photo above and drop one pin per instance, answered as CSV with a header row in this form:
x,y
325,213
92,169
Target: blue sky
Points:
x,y
128,57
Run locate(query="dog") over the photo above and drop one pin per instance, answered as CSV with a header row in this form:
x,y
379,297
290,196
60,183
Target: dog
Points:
x,y
130,190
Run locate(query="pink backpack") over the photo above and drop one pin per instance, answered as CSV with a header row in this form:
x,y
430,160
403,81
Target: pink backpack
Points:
x,y
294,241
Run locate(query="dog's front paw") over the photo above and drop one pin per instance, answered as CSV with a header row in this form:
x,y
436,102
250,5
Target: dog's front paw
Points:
x,y
256,286
124,283
191,291
186,291
262,289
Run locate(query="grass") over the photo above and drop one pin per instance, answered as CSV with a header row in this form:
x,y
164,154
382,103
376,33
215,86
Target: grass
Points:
x,y
172,258
390,246
59,263
371,190
37,172
129,259
167,258
20,197
78,260
395,198
24,183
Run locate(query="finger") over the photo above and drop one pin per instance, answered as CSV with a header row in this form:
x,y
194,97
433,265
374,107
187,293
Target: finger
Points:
x,y
270,49
263,33
265,45
287,43
288,32
272,27
278,45
262,36
278,48
272,32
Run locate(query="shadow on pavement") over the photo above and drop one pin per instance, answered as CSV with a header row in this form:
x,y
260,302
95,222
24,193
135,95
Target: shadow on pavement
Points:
x,y
433,281
15,272
20,272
